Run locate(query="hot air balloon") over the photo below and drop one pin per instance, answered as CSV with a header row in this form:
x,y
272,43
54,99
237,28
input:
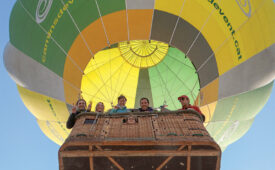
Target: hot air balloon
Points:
x,y
219,53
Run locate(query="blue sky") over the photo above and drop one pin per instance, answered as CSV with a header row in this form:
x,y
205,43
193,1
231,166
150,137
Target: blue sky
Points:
x,y
24,146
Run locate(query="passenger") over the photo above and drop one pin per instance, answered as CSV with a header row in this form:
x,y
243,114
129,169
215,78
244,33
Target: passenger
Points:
x,y
99,107
78,108
185,102
120,107
144,105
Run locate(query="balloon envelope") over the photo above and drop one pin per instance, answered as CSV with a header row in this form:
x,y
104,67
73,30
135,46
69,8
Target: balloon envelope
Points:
x,y
219,53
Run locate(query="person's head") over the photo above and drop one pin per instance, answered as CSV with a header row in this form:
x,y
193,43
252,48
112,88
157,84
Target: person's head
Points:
x,y
121,100
144,103
81,104
184,100
99,107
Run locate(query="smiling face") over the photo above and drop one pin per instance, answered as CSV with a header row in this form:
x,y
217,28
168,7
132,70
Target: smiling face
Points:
x,y
99,107
144,104
122,102
81,104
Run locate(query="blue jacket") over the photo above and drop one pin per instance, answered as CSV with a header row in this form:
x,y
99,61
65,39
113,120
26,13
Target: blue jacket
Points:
x,y
120,110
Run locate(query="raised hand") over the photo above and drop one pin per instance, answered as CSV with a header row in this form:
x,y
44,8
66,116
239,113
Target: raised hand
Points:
x,y
89,106
74,109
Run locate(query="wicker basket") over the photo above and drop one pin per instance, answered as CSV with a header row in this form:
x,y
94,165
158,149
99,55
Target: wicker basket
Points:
x,y
140,141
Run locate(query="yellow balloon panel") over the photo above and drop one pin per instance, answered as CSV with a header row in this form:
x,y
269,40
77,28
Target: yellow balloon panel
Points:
x,y
258,31
43,107
208,111
107,76
232,35
167,6
56,131
208,20
204,18
102,58
209,93
251,35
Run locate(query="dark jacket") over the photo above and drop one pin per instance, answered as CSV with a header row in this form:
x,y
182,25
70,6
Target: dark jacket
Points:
x,y
149,109
71,120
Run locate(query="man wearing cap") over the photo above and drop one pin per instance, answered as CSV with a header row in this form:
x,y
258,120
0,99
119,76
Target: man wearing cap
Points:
x,y
185,102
